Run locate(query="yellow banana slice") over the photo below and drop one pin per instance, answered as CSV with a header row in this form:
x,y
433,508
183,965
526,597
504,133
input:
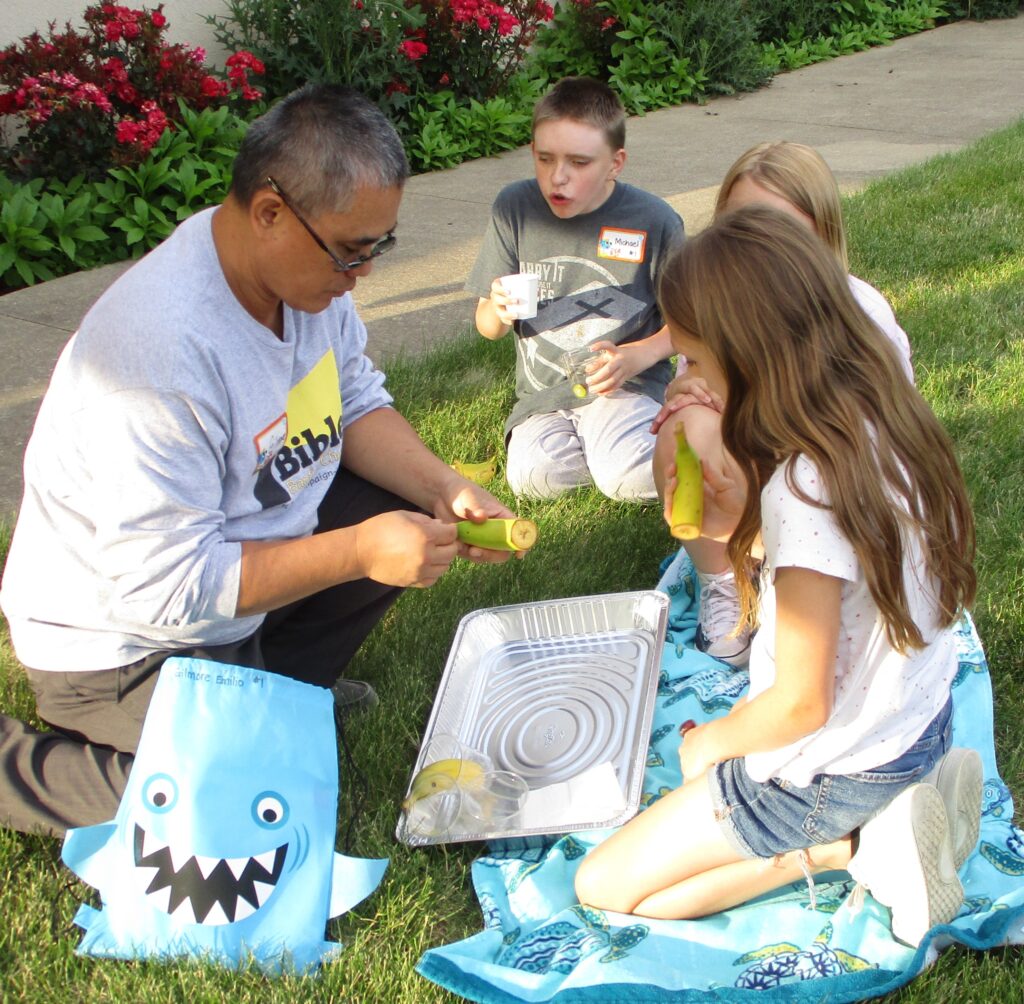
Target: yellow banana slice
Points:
x,y
442,775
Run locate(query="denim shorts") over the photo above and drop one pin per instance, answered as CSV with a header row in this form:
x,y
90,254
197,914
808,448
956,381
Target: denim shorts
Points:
x,y
762,819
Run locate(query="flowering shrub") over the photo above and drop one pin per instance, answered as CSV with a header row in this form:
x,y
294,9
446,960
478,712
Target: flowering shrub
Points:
x,y
354,42
472,47
87,100
578,42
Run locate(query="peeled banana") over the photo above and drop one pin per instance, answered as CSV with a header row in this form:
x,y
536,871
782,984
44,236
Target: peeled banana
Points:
x,y
499,534
442,775
688,498
482,473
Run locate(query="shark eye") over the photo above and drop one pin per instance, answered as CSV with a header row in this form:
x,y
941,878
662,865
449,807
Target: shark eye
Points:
x,y
160,793
269,810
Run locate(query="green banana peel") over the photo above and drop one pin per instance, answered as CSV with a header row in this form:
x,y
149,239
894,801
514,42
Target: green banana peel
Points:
x,y
499,534
688,498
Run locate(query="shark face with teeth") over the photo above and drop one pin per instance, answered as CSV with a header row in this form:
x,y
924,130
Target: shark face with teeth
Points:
x,y
223,844
205,890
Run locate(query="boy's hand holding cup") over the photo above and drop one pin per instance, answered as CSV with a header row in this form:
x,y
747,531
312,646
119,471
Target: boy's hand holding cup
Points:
x,y
515,298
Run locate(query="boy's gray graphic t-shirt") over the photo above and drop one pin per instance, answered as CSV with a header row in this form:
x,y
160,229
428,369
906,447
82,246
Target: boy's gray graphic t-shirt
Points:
x,y
175,427
597,283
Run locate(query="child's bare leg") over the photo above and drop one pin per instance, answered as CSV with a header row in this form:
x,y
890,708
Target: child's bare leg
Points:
x,y
674,861
730,885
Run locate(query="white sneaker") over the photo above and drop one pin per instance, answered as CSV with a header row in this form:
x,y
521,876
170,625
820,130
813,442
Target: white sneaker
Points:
x,y
960,781
905,860
718,614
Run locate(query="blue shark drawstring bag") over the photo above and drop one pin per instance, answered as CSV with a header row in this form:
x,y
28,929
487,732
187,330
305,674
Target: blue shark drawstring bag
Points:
x,y
223,844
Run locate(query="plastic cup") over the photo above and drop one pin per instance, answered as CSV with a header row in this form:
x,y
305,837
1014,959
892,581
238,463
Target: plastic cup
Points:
x,y
576,363
524,287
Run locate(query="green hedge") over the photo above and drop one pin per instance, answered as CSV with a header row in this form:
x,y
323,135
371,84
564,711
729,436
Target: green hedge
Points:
x,y
655,54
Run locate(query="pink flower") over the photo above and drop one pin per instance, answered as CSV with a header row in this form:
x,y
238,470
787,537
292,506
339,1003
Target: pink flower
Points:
x,y
412,49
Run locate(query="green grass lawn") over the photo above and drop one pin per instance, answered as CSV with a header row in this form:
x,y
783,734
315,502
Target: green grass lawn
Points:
x,y
945,242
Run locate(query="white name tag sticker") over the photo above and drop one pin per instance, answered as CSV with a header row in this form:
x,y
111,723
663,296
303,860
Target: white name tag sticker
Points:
x,y
622,245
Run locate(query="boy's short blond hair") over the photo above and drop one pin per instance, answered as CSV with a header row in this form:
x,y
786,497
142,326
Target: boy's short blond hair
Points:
x,y
586,100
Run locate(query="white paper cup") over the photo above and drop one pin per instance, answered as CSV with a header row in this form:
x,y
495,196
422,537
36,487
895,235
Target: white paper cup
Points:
x,y
523,286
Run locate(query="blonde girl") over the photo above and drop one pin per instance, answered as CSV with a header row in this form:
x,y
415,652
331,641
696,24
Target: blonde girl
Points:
x,y
852,485
796,180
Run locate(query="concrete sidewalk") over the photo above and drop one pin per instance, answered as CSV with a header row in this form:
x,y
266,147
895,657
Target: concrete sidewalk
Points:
x,y
868,114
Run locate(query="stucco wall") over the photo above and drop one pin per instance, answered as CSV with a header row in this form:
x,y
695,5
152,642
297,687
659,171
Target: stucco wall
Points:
x,y
184,19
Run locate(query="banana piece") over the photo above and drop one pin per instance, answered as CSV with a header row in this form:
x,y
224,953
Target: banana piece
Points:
x,y
688,498
482,473
442,775
499,534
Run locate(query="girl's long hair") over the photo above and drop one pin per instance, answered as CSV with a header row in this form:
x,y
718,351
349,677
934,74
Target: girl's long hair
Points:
x,y
809,373
798,174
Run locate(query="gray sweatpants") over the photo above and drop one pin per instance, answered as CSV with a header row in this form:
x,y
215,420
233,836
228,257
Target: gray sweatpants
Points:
x,y
606,443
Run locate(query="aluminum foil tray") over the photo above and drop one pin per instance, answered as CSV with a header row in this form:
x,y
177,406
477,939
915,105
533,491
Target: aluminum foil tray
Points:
x,y
561,693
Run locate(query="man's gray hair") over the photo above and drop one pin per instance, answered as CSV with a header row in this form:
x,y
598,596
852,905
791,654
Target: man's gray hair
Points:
x,y
320,143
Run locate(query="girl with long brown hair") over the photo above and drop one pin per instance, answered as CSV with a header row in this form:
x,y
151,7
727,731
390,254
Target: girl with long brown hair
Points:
x,y
850,488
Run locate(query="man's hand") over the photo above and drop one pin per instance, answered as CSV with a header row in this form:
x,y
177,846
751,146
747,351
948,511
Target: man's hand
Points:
x,y
463,499
405,548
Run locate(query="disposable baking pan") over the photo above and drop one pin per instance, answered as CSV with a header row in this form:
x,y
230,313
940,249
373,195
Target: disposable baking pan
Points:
x,y
559,693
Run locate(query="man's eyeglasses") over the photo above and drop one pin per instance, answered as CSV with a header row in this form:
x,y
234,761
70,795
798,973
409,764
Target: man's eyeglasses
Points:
x,y
386,243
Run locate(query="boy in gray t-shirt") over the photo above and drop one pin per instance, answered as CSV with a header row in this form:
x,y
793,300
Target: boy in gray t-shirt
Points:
x,y
596,245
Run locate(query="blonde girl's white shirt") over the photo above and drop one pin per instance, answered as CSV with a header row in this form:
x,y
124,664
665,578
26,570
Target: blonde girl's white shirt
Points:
x,y
883,700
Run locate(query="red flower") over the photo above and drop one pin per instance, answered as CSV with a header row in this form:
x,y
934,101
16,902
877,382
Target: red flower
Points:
x,y
251,93
132,29
412,49
213,88
396,87
608,22
112,31
158,19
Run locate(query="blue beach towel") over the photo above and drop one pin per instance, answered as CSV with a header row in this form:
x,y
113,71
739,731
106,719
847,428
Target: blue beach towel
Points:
x,y
540,945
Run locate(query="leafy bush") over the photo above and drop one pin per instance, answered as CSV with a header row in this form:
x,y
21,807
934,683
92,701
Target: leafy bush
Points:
x,y
576,43
857,25
339,41
83,101
472,47
399,53
718,37
50,228
983,10
446,132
